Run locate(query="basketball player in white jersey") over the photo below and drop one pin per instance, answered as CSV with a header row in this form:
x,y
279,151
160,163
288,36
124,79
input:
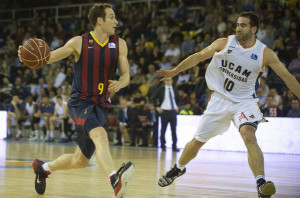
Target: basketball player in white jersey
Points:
x,y
60,113
233,74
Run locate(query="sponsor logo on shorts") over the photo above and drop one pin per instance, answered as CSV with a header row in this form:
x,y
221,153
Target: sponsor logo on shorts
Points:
x,y
252,116
242,116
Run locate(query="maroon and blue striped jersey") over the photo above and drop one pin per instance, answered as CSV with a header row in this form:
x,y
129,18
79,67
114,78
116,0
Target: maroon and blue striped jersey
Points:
x,y
96,65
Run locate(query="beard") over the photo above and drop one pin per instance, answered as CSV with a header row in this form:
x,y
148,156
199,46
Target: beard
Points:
x,y
243,38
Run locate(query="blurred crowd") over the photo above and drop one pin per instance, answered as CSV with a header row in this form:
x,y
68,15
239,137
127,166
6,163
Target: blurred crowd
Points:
x,y
156,39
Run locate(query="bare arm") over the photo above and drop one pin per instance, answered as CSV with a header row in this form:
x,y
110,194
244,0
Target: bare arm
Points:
x,y
271,59
194,59
123,67
73,46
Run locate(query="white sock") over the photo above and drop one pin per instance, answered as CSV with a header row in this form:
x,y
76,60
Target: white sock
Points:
x,y
181,167
260,177
63,135
19,133
47,133
112,173
36,132
51,134
46,167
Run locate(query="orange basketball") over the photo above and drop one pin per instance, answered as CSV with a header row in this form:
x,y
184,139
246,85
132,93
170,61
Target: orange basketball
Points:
x,y
35,53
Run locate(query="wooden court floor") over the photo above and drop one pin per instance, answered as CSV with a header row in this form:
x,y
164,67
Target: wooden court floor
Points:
x,y
212,174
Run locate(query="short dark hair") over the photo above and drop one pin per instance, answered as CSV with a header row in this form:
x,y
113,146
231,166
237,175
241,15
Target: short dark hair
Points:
x,y
98,10
254,20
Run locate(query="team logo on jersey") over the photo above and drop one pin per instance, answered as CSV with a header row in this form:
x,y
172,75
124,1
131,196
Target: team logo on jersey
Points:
x,y
91,41
111,45
252,116
242,116
254,56
230,48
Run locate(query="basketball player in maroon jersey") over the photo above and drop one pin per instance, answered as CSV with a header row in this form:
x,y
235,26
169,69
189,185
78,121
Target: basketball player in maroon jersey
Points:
x,y
97,56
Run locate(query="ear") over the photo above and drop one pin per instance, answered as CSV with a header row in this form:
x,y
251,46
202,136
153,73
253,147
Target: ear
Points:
x,y
99,20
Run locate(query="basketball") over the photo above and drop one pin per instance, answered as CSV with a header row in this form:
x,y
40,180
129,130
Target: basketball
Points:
x,y
35,53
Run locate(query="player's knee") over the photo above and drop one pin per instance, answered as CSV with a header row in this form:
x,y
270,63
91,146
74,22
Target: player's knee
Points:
x,y
196,144
98,134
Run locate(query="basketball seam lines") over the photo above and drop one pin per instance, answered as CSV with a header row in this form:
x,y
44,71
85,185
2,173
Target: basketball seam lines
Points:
x,y
36,59
30,53
38,49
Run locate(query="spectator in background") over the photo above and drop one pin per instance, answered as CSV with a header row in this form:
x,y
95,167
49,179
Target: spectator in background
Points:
x,y
270,110
125,115
294,66
195,104
16,114
57,120
35,91
277,100
187,45
46,110
4,69
157,55
186,110
295,111
165,63
151,75
166,103
173,54
33,116
144,87
269,39
261,96
132,66
5,91
152,90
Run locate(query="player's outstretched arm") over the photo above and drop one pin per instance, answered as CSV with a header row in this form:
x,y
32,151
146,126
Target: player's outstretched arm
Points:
x,y
194,59
73,46
271,59
115,86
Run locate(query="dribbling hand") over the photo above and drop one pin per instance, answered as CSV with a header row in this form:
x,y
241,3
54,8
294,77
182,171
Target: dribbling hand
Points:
x,y
113,86
19,52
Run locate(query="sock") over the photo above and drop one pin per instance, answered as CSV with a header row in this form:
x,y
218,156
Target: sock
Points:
x,y
46,168
181,167
260,179
18,133
36,132
63,135
51,134
112,173
47,133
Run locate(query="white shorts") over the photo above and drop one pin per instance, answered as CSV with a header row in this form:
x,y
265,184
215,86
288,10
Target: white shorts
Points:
x,y
220,111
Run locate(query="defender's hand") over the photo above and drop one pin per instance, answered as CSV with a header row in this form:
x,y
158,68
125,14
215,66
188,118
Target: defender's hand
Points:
x,y
166,73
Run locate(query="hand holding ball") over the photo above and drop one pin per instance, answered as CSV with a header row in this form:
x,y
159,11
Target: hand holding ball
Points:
x,y
35,53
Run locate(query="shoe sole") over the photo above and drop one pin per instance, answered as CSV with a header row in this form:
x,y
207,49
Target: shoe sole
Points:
x,y
269,189
125,179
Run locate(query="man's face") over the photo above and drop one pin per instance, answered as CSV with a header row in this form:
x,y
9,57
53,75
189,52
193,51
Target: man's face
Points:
x,y
243,29
295,104
110,23
270,101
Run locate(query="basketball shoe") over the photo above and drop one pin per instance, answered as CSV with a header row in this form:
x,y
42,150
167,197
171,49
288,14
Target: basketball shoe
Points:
x,y
168,179
121,178
41,175
266,190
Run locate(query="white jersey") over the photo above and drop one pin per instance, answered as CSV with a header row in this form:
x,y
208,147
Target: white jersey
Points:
x,y
60,109
235,71
30,108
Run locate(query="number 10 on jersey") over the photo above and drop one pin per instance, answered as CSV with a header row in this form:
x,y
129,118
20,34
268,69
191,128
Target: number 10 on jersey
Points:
x,y
228,85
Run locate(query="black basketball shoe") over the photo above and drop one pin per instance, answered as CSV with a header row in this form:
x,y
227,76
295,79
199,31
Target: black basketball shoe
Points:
x,y
41,175
266,190
168,179
121,178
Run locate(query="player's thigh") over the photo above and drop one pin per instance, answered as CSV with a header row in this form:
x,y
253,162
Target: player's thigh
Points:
x,y
211,125
247,114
